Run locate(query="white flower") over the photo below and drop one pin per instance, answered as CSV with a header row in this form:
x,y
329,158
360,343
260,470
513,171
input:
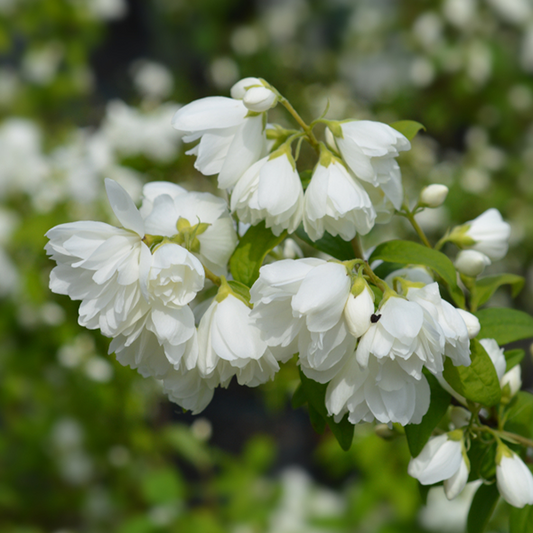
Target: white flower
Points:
x,y
230,141
231,344
446,320
199,220
100,265
271,296
513,478
270,190
433,195
380,391
135,294
471,263
369,149
404,334
173,277
259,99
442,459
335,202
299,307
488,234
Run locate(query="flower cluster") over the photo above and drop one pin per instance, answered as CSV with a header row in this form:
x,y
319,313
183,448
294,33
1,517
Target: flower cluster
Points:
x,y
160,285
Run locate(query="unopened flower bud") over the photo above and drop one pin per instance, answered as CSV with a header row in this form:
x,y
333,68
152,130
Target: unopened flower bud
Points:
x,y
472,323
239,89
471,263
512,380
434,195
513,478
259,99
358,312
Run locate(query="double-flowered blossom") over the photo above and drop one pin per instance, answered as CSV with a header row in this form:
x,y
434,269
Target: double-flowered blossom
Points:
x,y
135,282
335,201
270,190
443,458
230,343
370,150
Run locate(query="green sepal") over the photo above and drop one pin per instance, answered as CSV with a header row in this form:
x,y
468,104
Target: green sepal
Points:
x,y
477,382
482,507
408,128
251,251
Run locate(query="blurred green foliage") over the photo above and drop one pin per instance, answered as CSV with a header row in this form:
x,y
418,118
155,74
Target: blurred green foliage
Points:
x,y
89,446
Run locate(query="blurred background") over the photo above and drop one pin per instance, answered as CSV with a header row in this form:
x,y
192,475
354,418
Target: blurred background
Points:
x,y
87,91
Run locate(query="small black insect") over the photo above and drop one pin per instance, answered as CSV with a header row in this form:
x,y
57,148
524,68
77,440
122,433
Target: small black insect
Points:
x,y
375,318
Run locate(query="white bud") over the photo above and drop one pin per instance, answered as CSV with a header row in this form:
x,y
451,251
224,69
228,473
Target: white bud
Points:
x,y
513,378
471,263
434,195
513,478
357,311
259,99
472,323
239,89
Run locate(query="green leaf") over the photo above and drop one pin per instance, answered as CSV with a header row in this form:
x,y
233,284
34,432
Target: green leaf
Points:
x,y
251,252
418,434
513,358
504,325
486,287
483,504
334,246
409,128
317,420
477,382
412,253
521,520
519,417
316,400
482,457
299,397
162,486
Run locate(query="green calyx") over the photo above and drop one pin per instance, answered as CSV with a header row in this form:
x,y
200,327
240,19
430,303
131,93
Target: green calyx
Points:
x,y
187,234
502,451
456,435
404,285
460,238
234,288
326,157
335,127
284,150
